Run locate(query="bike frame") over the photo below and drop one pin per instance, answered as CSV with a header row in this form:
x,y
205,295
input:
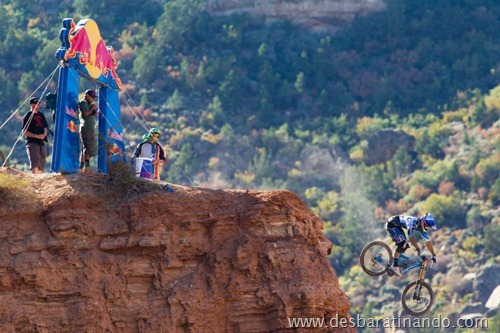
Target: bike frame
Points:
x,y
418,296
409,263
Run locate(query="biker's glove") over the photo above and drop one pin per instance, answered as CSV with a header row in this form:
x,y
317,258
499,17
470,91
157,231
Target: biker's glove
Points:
x,y
433,259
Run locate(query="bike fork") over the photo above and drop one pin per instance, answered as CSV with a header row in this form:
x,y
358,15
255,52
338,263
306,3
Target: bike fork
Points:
x,y
421,276
416,292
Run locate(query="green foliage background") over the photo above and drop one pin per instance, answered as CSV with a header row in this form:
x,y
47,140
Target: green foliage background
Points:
x,y
245,103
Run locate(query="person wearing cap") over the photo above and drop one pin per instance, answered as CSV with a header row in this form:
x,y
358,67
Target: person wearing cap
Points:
x,y
88,112
150,148
35,130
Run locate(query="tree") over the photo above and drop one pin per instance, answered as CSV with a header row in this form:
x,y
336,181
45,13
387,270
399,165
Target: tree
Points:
x,y
300,83
447,210
149,65
183,166
182,25
7,91
356,226
231,92
123,13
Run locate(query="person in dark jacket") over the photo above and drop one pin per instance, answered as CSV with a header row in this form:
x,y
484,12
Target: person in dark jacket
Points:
x,y
88,112
35,130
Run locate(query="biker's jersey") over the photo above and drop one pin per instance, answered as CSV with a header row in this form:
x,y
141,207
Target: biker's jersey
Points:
x,y
148,149
411,223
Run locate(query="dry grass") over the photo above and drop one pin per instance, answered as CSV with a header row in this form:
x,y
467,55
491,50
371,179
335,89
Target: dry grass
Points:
x,y
14,189
120,184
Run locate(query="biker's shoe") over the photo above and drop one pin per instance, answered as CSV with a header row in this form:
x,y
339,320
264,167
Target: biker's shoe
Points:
x,y
395,270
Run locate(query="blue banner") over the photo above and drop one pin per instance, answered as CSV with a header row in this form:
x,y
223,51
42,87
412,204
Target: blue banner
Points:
x,y
111,143
66,151
84,54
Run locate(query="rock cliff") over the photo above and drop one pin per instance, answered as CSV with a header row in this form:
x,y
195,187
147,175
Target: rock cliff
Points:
x,y
319,15
78,254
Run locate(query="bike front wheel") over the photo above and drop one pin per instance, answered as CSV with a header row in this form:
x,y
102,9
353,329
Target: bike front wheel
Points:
x,y
417,298
375,257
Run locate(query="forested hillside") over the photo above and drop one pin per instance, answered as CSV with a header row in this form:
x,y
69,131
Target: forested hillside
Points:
x,y
398,113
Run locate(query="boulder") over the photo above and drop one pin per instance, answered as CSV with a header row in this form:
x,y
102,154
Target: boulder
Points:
x,y
486,281
463,285
492,313
494,299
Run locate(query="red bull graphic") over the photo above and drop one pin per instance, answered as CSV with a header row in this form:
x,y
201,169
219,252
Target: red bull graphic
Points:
x,y
115,150
89,50
115,135
73,128
84,54
66,152
72,113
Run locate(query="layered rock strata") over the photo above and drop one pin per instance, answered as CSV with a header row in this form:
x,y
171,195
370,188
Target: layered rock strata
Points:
x,y
197,260
319,15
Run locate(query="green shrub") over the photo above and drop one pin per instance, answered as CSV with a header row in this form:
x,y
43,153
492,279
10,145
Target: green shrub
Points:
x,y
447,210
491,237
494,195
433,139
474,218
489,168
485,114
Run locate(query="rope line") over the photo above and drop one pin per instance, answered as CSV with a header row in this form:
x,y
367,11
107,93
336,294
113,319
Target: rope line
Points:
x,y
139,117
28,123
27,99
147,128
143,122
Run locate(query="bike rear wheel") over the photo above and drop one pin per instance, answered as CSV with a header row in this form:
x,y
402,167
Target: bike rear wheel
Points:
x,y
375,257
417,298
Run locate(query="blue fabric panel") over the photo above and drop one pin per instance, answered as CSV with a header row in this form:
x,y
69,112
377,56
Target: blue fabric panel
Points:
x,y
111,138
66,152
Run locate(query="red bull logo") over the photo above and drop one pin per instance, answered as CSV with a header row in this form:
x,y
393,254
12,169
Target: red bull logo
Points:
x,y
86,43
115,135
114,149
72,126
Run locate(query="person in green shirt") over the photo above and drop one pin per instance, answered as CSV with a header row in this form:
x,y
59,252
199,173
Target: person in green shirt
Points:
x,y
88,112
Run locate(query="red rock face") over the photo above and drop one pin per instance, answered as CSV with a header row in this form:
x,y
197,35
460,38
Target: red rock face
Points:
x,y
318,15
196,260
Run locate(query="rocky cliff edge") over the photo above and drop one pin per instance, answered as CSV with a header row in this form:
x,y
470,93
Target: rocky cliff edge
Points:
x,y
76,255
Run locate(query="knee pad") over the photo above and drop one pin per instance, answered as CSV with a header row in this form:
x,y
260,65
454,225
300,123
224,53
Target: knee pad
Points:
x,y
402,246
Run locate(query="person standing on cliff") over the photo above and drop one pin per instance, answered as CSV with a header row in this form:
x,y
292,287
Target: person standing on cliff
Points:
x,y
151,149
88,112
35,130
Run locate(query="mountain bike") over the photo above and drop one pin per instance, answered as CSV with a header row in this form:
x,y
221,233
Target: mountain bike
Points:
x,y
417,297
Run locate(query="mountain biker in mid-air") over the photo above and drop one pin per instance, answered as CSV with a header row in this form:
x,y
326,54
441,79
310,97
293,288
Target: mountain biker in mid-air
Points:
x,y
395,225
